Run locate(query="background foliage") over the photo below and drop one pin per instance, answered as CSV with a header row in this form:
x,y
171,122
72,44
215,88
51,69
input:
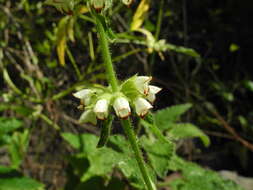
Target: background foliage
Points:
x,y
46,55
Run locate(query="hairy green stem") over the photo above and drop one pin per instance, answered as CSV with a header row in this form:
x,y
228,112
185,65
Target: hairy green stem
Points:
x,y
125,123
111,76
137,152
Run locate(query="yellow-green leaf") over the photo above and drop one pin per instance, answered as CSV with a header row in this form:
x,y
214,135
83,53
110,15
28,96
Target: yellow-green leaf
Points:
x,y
61,46
140,14
65,31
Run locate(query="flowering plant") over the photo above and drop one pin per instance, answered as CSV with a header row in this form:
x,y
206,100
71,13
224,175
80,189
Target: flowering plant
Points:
x,y
134,92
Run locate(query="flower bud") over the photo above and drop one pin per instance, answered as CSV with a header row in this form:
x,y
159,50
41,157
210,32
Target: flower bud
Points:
x,y
142,106
84,95
121,107
88,117
142,84
153,90
101,109
98,4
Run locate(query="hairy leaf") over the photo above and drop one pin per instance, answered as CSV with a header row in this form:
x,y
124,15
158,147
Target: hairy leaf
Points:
x,y
164,118
159,154
188,130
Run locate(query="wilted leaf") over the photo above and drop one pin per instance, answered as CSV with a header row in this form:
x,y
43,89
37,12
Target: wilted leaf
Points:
x,y
140,14
61,46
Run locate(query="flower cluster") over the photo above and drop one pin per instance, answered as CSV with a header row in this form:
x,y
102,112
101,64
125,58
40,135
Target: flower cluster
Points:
x,y
136,92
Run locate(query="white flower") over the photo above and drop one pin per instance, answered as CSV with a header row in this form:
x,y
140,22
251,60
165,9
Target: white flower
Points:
x,y
84,95
142,106
101,109
88,117
142,84
153,90
121,107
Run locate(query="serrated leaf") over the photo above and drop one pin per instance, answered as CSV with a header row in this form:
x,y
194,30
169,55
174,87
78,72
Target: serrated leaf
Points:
x,y
197,178
164,118
188,130
149,124
140,14
159,154
128,165
101,161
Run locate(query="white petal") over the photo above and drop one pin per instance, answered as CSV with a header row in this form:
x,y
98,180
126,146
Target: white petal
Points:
x,y
82,94
142,84
151,97
101,109
154,89
142,106
88,117
121,107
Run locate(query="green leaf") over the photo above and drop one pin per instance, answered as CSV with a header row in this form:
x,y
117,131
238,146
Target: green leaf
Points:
x,y
101,161
249,85
187,130
20,183
196,178
12,180
128,165
164,118
86,143
18,147
130,170
8,125
149,125
159,154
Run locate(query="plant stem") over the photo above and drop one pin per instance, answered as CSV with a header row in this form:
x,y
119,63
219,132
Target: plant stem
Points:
x,y
72,60
157,33
125,123
137,152
107,56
